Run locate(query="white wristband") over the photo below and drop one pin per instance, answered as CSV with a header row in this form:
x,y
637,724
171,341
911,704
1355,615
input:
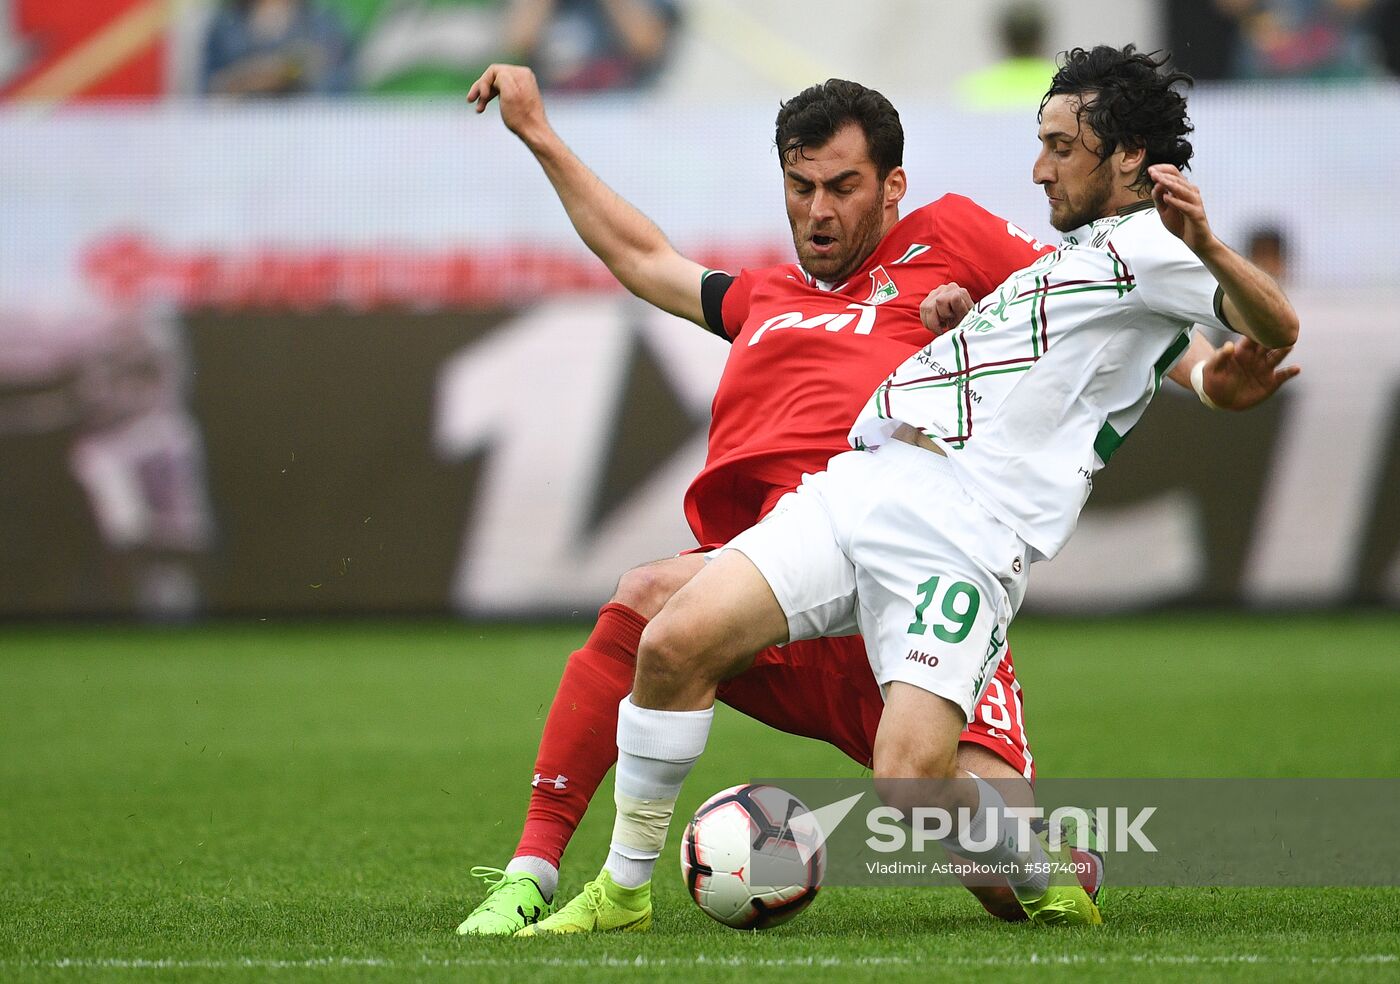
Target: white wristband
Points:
x,y
1198,383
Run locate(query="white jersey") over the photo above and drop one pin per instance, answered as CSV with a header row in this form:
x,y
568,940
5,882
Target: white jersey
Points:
x,y
1037,387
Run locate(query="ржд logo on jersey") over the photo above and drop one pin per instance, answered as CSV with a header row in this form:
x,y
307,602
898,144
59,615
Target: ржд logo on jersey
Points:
x,y
829,321
882,287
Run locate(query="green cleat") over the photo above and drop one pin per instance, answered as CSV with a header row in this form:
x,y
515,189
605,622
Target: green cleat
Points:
x,y
1065,902
513,902
1062,905
602,907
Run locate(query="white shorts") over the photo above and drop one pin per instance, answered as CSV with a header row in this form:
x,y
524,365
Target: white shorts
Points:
x,y
888,543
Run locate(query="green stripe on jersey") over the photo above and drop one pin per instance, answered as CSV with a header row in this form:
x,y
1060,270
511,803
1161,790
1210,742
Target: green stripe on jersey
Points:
x,y
1119,289
917,249
971,377
958,395
1170,356
1108,441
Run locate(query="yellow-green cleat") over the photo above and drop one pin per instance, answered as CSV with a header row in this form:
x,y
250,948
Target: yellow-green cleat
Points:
x,y
1065,902
602,907
513,902
1062,905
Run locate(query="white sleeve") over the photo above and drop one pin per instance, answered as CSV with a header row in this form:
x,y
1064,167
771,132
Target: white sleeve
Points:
x,y
1175,282
1216,336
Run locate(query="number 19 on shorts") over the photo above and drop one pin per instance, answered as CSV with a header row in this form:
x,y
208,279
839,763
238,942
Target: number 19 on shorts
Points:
x,y
954,605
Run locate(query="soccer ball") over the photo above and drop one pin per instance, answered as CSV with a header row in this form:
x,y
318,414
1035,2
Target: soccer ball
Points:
x,y
729,832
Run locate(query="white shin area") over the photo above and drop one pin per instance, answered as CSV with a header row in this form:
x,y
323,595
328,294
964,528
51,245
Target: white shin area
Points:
x,y
656,750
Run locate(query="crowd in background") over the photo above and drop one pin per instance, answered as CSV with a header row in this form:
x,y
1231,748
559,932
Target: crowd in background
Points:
x,y
287,47
1307,39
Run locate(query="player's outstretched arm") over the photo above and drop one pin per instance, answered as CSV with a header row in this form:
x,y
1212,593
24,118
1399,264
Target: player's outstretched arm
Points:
x,y
1236,376
631,245
1255,305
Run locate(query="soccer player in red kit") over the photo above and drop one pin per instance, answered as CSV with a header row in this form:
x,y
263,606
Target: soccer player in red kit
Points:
x,y
810,342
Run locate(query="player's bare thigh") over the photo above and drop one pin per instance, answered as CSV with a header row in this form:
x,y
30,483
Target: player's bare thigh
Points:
x,y
708,631
647,588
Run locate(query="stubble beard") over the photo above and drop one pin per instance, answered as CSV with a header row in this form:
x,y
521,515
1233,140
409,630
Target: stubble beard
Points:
x,y
1095,206
866,236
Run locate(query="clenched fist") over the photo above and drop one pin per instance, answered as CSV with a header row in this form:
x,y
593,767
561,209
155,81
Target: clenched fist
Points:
x,y
944,307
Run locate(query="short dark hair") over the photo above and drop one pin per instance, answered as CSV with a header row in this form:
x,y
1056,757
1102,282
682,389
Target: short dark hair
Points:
x,y
1129,102
812,117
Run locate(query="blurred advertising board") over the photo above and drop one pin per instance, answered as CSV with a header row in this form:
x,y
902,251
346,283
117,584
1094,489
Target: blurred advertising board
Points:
x,y
340,357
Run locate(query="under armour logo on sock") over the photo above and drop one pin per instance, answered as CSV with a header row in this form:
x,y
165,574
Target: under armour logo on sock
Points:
x,y
559,782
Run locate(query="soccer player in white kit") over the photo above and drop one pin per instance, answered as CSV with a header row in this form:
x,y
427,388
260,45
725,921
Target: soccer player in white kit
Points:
x,y
1003,422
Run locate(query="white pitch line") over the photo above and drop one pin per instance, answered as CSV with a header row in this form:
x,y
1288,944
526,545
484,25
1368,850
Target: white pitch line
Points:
x,y
331,963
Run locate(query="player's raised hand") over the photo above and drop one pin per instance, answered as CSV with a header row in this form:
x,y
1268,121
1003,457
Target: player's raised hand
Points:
x,y
1244,374
1179,204
944,307
522,106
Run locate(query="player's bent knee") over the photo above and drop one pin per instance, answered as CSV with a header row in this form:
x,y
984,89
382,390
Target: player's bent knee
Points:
x,y
670,657
907,776
893,766
646,589
913,757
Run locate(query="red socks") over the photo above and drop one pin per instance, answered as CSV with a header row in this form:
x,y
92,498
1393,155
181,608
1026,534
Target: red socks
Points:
x,y
579,744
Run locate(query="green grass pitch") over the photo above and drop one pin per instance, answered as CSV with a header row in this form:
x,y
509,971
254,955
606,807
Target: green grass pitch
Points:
x,y
272,802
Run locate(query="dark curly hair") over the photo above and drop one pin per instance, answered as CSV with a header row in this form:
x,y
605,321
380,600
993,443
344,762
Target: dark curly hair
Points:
x,y
1129,102
812,117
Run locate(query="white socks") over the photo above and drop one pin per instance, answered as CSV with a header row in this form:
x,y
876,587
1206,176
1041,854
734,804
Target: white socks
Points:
x,y
544,873
655,750
1002,850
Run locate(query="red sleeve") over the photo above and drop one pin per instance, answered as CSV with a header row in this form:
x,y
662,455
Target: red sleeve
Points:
x,y
983,249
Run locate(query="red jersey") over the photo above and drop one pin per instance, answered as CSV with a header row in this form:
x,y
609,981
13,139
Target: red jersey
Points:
x,y
805,359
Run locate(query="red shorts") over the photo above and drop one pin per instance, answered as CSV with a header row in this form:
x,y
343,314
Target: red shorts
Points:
x,y
823,688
